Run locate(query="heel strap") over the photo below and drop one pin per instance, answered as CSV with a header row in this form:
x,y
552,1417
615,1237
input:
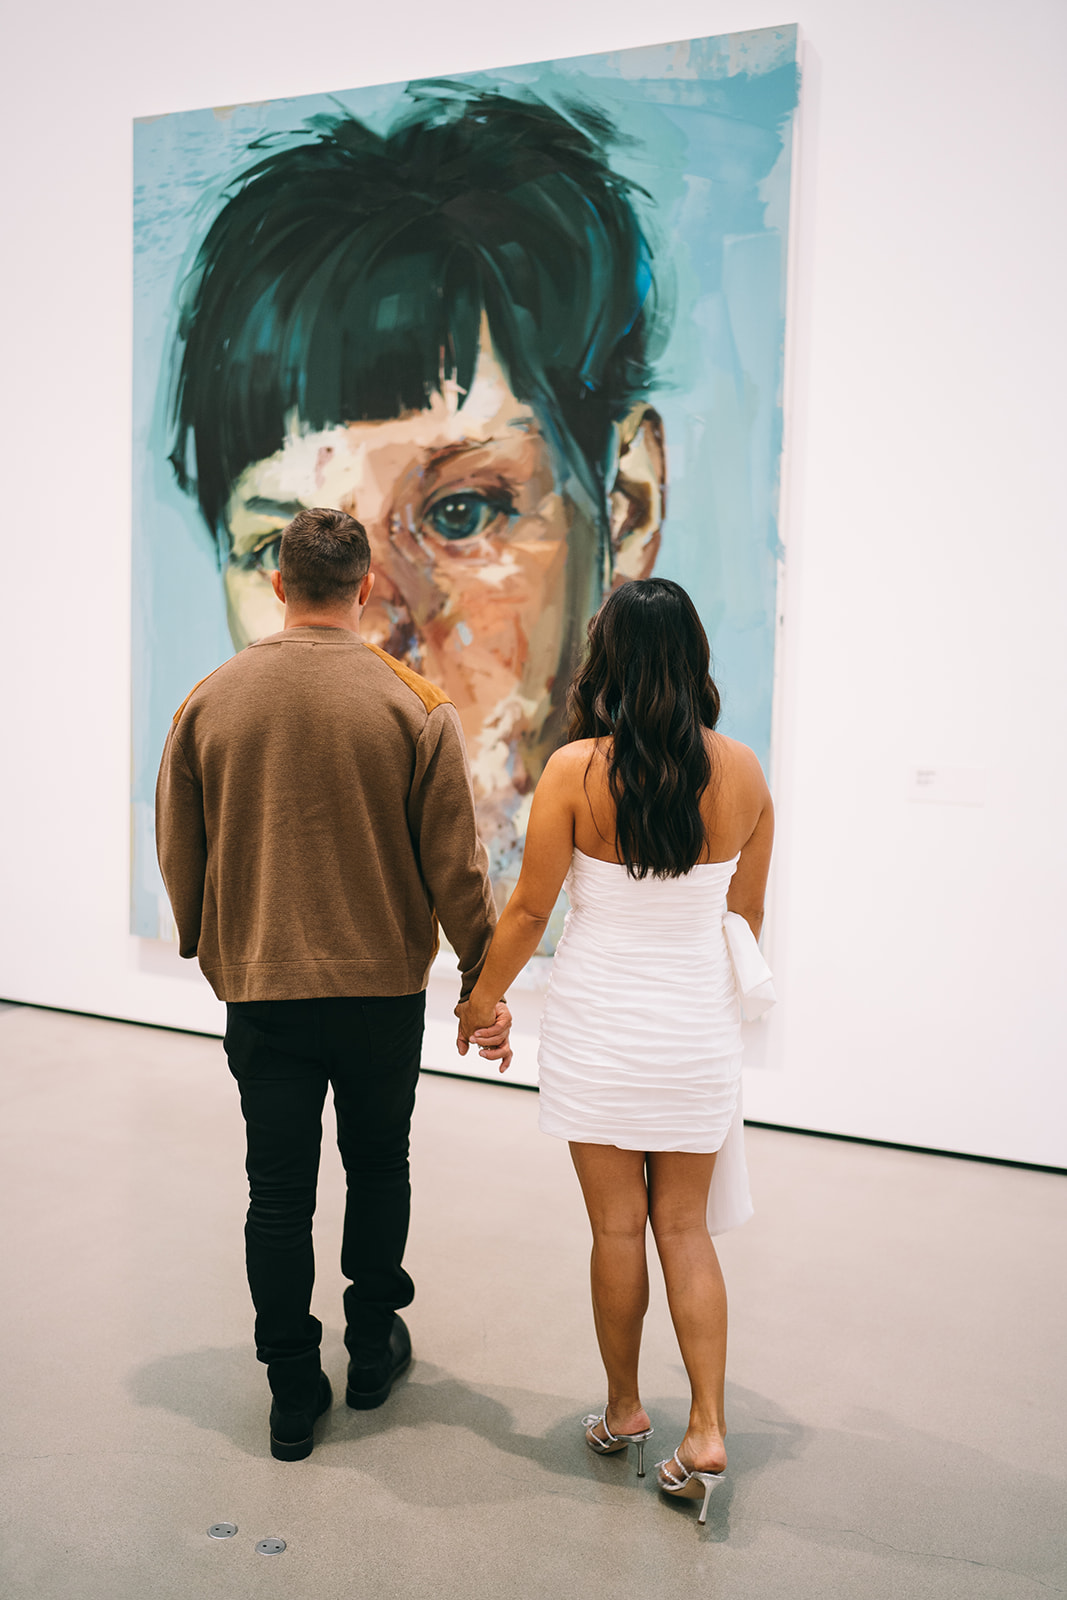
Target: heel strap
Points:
x,y
594,1421
665,1468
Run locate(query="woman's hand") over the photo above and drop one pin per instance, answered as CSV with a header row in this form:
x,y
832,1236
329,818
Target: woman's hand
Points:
x,y
487,1028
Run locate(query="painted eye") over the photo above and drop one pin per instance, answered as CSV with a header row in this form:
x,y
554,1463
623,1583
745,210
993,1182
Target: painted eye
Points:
x,y
265,556
462,516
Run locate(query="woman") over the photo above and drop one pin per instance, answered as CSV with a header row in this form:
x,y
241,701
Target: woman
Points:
x,y
659,824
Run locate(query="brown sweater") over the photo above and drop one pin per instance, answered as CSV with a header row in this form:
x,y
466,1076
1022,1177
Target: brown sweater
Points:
x,y
314,818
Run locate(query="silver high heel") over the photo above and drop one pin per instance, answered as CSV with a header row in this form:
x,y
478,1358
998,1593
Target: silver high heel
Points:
x,y
689,1485
614,1441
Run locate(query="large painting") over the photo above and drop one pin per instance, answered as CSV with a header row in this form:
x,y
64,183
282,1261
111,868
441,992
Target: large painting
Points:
x,y
526,325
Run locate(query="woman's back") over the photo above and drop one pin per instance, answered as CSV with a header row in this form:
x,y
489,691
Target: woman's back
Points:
x,y
735,809
730,806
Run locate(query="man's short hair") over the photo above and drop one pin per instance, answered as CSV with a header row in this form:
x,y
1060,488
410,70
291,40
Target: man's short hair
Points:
x,y
324,557
344,280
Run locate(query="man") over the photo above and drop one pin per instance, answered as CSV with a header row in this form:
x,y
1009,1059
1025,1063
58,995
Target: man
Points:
x,y
447,332
314,818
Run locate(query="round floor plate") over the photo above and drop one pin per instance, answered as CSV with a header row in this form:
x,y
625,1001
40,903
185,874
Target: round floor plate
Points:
x,y
270,1547
222,1530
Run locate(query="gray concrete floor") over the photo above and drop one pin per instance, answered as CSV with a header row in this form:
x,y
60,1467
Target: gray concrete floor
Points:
x,y
896,1385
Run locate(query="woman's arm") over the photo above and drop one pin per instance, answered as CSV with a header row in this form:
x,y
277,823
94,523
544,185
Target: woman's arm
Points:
x,y
749,882
546,859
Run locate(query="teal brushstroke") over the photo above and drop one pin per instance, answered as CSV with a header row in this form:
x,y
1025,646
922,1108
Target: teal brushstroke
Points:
x,y
708,124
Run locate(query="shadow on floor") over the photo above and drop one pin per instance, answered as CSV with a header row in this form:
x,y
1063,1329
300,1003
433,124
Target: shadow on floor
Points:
x,y
874,1486
222,1390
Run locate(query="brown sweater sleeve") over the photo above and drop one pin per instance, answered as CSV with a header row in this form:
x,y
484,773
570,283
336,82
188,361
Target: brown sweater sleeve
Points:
x,y
454,863
181,841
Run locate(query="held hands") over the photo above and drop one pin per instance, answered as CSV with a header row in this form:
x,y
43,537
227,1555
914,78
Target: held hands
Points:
x,y
488,1028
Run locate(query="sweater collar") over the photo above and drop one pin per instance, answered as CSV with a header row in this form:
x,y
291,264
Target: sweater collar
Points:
x,y
321,635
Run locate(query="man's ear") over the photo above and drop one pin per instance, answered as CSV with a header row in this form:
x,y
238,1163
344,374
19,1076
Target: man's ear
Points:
x,y
365,588
276,585
639,495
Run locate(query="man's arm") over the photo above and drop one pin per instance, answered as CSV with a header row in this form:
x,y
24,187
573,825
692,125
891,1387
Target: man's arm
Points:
x,y
454,862
181,841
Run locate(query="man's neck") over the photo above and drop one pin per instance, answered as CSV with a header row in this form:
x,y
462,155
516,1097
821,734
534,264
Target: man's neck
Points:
x,y
348,620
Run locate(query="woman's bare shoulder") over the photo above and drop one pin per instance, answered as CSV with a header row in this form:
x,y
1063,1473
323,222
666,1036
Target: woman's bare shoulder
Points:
x,y
575,756
570,763
740,761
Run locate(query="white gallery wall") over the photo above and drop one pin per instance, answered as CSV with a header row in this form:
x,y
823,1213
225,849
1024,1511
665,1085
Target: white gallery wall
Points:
x,y
920,770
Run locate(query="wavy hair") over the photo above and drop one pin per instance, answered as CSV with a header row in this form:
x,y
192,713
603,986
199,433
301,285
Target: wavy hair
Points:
x,y
646,685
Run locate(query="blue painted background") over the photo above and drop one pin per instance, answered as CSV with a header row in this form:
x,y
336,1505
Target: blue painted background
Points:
x,y
711,125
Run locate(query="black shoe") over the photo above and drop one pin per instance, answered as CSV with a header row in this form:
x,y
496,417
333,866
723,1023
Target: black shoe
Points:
x,y
369,1385
292,1432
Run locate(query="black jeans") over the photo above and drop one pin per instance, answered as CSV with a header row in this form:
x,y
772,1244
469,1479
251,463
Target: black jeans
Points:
x,y
283,1054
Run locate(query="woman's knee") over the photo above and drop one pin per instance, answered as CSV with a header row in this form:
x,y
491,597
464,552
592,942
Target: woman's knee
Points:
x,y
625,1225
678,1195
615,1191
677,1221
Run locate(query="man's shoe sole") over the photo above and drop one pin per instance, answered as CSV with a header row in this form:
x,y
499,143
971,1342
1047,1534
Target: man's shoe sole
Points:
x,y
292,1452
282,1450
370,1399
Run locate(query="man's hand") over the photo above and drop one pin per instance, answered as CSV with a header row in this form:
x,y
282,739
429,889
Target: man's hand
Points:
x,y
488,1032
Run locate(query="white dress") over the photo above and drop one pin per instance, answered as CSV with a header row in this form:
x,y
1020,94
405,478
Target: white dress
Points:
x,y
641,1032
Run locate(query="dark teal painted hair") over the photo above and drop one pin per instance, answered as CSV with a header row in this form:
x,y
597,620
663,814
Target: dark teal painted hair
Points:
x,y
345,277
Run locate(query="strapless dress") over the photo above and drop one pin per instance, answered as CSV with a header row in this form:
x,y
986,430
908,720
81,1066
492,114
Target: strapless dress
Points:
x,y
641,1032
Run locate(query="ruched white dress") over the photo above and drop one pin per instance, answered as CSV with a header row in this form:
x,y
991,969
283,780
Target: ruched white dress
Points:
x,y
641,1032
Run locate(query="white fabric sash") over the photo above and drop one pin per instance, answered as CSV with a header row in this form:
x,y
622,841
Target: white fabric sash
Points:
x,y
755,982
729,1200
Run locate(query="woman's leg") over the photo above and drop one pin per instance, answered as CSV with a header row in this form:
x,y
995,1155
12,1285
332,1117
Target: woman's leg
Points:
x,y
678,1201
616,1199
613,1184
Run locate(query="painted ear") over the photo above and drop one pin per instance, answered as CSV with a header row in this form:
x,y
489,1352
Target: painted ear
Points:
x,y
639,495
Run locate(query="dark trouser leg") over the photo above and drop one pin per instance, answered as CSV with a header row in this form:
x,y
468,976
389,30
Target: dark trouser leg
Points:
x,y
272,1048
375,1051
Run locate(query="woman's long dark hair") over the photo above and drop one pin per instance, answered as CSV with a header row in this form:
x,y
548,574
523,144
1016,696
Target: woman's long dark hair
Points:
x,y
646,685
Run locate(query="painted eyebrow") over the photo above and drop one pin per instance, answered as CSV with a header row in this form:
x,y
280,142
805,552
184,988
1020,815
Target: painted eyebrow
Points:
x,y
464,447
273,508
